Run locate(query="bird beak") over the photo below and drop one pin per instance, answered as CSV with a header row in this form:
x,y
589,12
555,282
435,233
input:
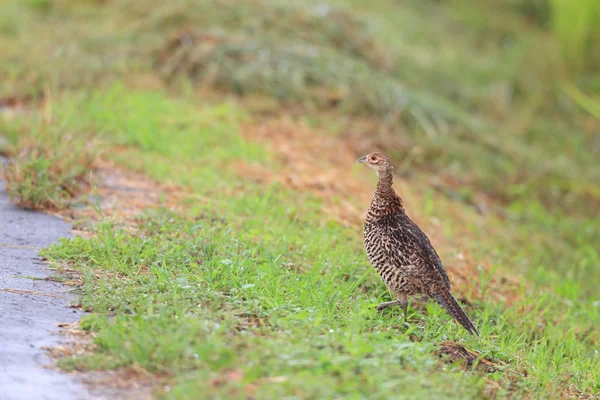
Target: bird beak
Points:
x,y
362,160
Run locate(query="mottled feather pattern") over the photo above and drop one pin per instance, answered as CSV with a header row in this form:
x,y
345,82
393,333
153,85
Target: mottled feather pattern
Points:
x,y
396,243
400,251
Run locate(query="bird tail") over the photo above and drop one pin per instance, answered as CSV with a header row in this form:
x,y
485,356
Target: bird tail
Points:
x,y
448,301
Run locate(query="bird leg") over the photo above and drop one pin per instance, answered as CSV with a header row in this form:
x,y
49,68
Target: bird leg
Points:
x,y
405,308
387,304
398,302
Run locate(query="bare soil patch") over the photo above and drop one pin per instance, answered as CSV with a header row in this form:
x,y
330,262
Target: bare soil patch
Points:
x,y
121,195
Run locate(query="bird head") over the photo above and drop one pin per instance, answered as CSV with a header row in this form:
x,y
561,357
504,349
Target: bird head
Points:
x,y
377,161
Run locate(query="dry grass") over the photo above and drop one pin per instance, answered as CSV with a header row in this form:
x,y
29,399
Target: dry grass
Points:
x,y
121,195
312,161
323,26
294,72
453,352
48,164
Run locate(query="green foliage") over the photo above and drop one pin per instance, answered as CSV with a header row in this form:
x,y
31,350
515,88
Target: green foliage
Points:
x,y
575,24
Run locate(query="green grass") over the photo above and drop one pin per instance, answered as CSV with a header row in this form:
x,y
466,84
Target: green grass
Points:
x,y
251,289
213,301
257,283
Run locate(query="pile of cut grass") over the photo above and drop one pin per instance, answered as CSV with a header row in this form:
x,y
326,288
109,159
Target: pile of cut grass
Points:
x,y
295,71
318,25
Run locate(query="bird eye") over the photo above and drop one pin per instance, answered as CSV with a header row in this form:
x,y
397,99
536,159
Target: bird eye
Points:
x,y
373,158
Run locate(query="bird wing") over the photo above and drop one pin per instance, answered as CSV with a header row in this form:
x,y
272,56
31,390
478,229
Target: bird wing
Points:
x,y
421,246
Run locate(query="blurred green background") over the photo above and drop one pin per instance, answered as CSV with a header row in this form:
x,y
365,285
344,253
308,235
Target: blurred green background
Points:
x,y
501,95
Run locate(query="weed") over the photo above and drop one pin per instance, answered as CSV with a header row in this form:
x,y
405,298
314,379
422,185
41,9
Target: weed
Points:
x,y
49,167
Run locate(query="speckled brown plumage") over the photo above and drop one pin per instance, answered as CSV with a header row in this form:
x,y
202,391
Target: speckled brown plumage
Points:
x,y
399,250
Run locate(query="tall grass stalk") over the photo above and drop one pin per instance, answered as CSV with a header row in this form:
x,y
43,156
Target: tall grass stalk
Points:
x,y
588,103
574,24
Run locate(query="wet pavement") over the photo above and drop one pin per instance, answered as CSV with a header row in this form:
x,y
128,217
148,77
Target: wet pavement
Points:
x,y
30,308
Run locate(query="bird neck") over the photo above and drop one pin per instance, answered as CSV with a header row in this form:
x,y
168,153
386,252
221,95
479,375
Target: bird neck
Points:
x,y
385,180
385,199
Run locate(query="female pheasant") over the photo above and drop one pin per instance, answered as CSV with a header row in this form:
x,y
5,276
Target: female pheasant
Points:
x,y
399,250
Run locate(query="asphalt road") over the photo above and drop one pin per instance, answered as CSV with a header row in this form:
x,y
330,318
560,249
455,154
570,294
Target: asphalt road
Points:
x,y
29,308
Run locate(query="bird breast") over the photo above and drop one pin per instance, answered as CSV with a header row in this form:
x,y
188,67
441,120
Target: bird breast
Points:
x,y
390,260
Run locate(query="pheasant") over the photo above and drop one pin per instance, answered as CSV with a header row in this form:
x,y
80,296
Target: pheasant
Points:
x,y
399,250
